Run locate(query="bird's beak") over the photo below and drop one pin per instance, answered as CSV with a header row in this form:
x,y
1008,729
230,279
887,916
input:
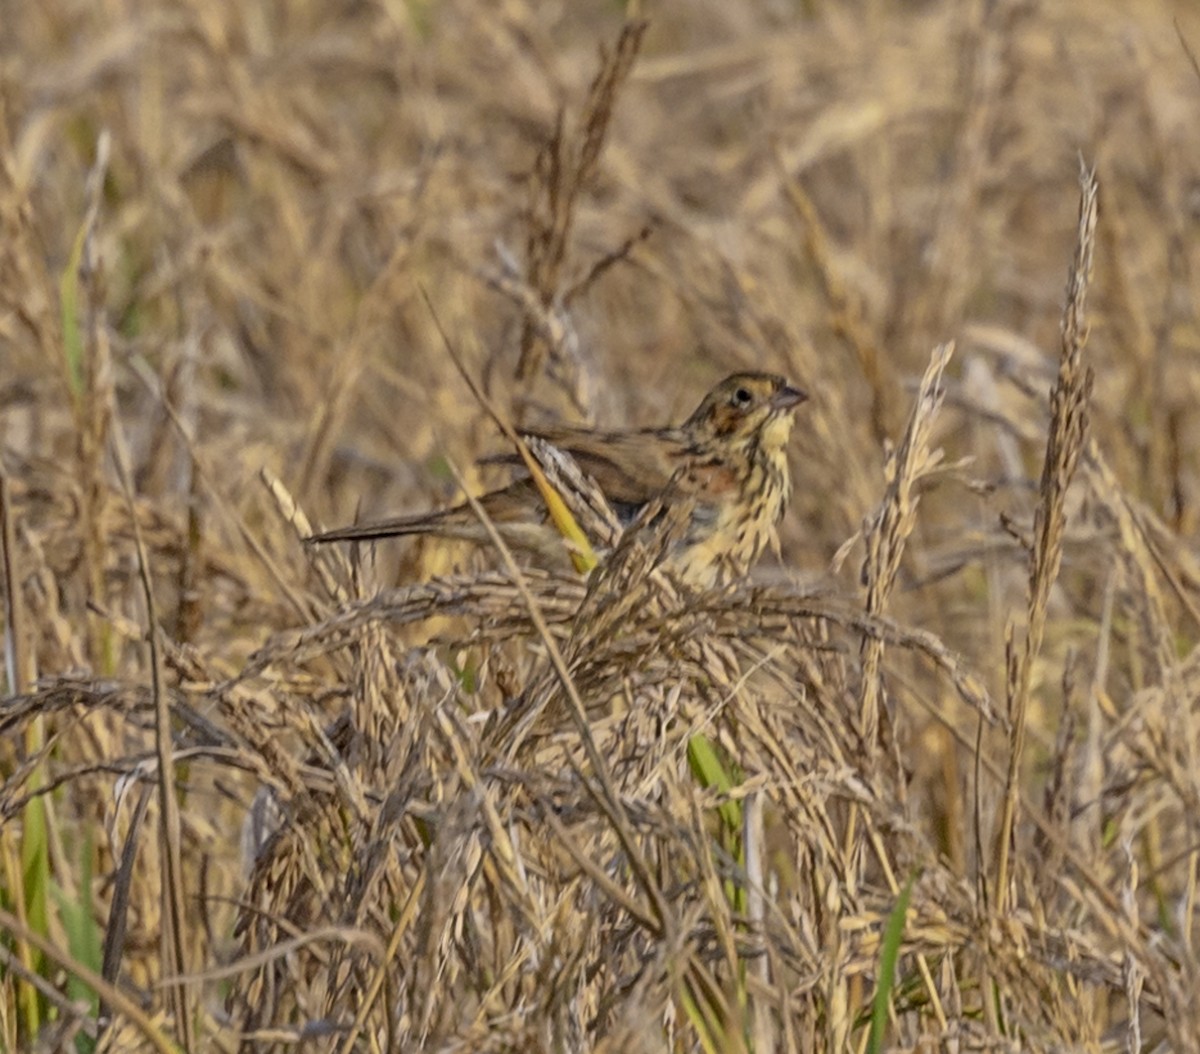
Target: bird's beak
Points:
x,y
787,397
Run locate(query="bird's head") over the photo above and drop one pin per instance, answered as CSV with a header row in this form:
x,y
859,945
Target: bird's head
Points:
x,y
748,404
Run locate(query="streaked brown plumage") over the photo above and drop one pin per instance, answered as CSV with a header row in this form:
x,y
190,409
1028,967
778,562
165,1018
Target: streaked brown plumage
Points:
x,y
727,460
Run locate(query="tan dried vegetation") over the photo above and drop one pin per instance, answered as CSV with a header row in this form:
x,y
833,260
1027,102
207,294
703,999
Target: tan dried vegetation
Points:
x,y
260,797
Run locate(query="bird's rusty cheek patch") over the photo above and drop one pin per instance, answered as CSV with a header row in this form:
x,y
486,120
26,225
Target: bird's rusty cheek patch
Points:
x,y
724,420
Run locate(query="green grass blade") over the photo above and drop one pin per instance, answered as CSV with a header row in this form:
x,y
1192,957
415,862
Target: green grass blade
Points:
x,y
711,772
889,952
35,881
79,924
68,298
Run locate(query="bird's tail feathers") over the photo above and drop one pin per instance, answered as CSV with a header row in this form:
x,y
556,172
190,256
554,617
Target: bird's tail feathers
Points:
x,y
457,522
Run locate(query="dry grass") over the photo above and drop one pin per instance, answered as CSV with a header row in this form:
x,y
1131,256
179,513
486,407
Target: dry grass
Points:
x,y
258,797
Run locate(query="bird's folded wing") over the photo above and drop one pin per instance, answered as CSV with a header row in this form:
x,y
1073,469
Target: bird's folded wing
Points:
x,y
629,467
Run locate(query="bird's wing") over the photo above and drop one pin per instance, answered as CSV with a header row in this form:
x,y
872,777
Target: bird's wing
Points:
x,y
629,467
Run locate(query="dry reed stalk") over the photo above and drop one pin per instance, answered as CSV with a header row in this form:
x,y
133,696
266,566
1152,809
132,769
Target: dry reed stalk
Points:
x,y
889,528
20,675
177,940
1067,435
563,169
18,667
886,533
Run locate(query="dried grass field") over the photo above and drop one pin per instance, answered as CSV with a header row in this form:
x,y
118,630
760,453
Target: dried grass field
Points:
x,y
928,780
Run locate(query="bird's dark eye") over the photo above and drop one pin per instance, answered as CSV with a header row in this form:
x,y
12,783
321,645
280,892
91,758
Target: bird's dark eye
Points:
x,y
743,397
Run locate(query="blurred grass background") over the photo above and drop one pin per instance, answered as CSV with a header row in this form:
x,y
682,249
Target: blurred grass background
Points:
x,y
216,223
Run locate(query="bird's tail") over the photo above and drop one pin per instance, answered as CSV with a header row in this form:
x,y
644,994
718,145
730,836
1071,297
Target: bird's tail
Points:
x,y
458,522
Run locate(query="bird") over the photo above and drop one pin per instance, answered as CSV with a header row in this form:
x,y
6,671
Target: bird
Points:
x,y
728,461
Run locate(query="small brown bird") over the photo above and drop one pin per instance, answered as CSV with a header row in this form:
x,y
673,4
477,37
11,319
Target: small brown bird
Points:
x,y
728,460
